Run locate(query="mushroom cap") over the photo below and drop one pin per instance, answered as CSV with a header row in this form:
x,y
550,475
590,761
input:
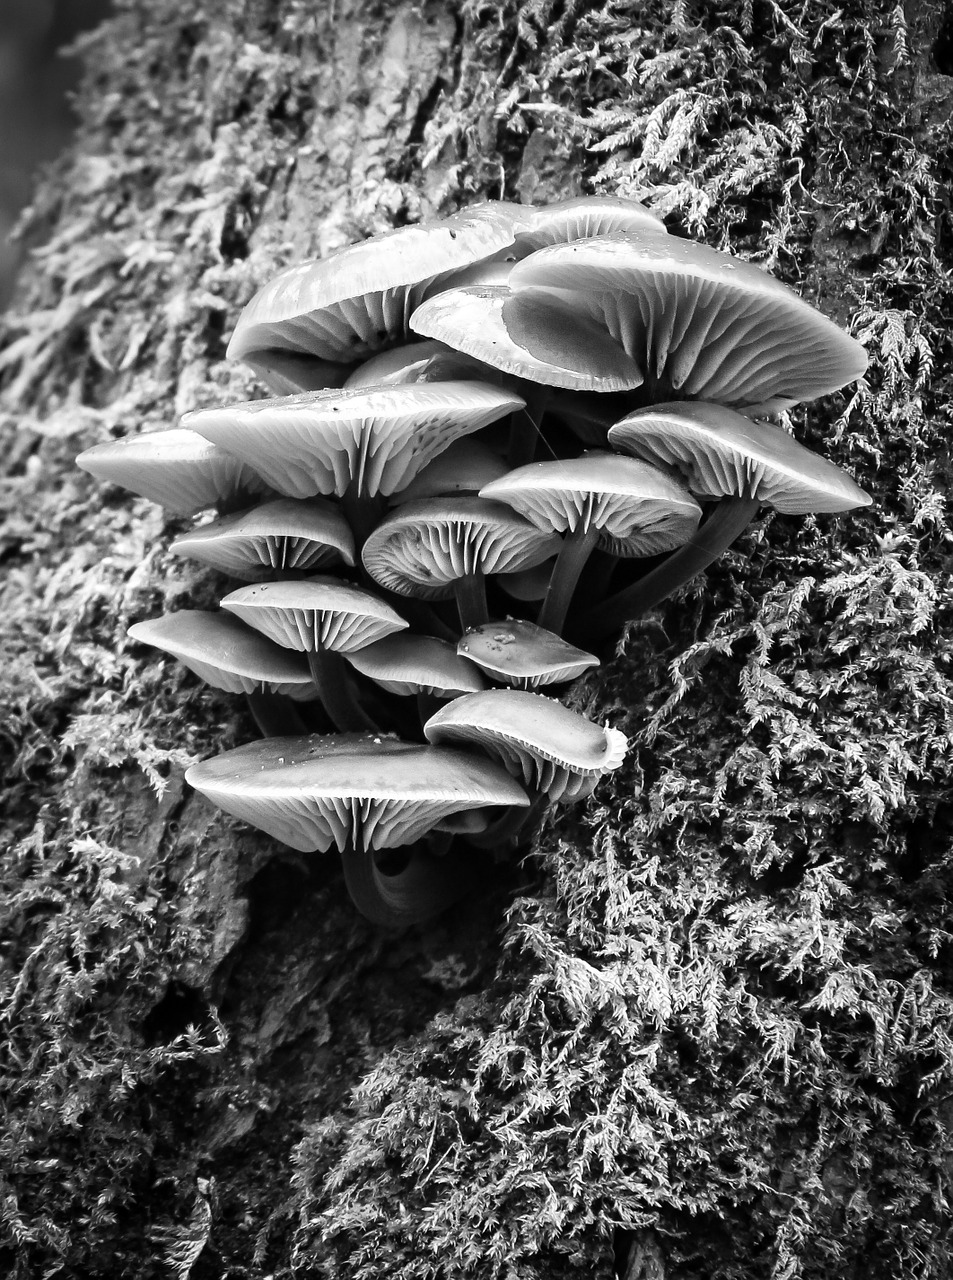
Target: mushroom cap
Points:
x,y
375,439
318,613
638,509
227,655
709,325
406,664
423,361
284,534
464,467
721,453
523,655
554,750
582,218
528,335
353,303
287,373
423,547
178,469
349,790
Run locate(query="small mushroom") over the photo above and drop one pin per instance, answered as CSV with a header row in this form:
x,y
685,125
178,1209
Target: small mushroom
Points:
x,y
177,469
464,467
555,751
582,218
426,361
286,534
361,794
523,655
422,666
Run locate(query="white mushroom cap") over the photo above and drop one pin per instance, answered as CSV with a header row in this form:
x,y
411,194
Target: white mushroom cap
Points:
x,y
638,509
554,750
424,361
284,534
226,654
319,613
706,324
422,548
178,469
406,664
288,373
349,790
583,217
721,453
523,655
373,438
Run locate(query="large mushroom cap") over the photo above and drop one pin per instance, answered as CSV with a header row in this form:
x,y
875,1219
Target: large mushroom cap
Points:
x,y
178,469
406,664
358,300
528,336
582,218
226,654
349,790
423,547
638,509
370,439
319,613
282,535
721,453
701,322
554,750
521,654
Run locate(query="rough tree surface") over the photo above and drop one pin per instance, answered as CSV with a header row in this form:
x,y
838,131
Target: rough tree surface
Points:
x,y
708,1025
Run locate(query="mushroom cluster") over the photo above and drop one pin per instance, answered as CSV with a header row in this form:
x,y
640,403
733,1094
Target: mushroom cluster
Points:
x,y
490,438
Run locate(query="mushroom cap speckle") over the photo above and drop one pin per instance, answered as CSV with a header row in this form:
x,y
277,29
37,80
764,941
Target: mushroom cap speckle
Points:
x,y
318,613
349,790
524,655
226,654
638,509
721,453
704,323
554,750
372,439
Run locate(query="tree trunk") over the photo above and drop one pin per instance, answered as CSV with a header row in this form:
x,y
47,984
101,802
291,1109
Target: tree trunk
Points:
x,y
711,1035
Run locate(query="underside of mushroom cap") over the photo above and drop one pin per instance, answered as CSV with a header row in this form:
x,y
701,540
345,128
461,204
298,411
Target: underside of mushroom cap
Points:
x,y
286,534
370,439
358,300
178,469
406,664
638,509
583,217
226,654
422,548
349,790
523,655
698,321
528,335
319,613
721,453
554,750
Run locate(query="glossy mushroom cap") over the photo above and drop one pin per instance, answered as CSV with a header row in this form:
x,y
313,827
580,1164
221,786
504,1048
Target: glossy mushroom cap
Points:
x,y
353,303
282,535
288,373
319,613
721,453
372,439
554,750
523,655
349,790
638,509
464,467
697,321
406,664
583,217
180,470
422,548
425,361
226,654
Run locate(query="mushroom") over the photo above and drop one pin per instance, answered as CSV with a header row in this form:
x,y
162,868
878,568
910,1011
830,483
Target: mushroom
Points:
x,y
555,751
323,618
696,320
440,547
424,666
581,218
286,534
739,463
464,467
523,655
177,469
426,361
287,373
361,794
601,499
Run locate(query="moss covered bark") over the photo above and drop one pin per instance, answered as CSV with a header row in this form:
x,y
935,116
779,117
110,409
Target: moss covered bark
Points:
x,y
711,1035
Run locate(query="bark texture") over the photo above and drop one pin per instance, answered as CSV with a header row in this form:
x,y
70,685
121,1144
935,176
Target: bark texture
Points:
x,y
710,1035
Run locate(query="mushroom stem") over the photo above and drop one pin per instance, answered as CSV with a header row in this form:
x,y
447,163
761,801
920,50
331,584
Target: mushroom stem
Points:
x,y
424,886
329,672
502,835
525,428
470,594
726,522
363,513
577,547
275,715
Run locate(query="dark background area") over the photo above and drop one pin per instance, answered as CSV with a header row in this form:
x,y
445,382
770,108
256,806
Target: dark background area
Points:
x,y
36,79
